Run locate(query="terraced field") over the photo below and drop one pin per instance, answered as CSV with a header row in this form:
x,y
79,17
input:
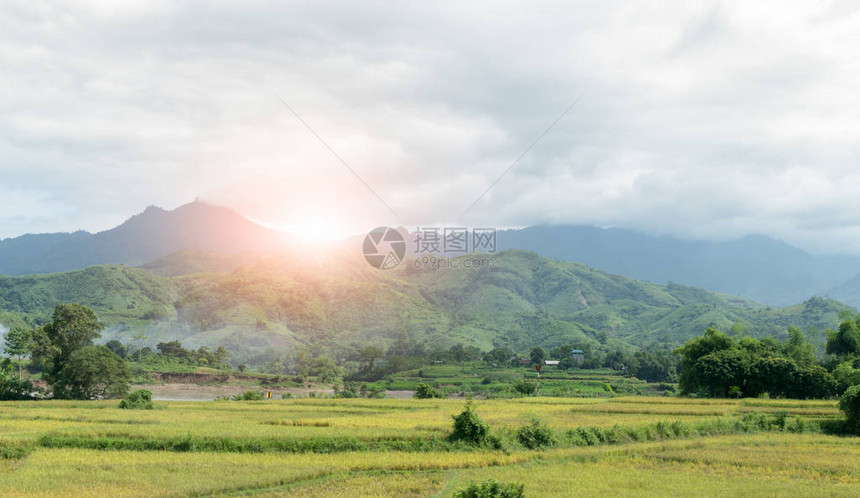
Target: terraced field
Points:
x,y
356,447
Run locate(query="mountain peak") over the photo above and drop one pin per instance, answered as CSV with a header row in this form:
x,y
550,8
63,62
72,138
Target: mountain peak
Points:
x,y
143,238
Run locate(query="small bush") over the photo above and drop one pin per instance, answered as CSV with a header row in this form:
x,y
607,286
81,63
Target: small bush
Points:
x,y
469,428
137,400
492,489
14,451
524,387
799,425
849,403
249,396
536,436
780,419
583,436
426,391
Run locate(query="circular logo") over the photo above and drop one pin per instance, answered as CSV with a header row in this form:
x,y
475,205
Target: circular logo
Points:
x,y
384,248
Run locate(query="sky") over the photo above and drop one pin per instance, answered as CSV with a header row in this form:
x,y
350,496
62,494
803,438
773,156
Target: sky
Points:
x,y
703,120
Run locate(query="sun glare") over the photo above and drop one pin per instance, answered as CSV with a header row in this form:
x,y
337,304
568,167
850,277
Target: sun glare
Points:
x,y
314,230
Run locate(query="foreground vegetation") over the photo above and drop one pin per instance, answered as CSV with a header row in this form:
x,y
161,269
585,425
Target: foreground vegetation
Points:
x,y
344,447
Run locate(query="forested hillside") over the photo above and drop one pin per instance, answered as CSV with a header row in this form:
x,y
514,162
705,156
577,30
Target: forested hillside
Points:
x,y
336,302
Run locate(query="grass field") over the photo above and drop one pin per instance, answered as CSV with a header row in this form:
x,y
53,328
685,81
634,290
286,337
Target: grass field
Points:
x,y
622,446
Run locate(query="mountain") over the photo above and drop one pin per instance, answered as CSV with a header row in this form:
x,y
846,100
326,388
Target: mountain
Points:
x,y
199,237
334,301
756,267
148,236
847,292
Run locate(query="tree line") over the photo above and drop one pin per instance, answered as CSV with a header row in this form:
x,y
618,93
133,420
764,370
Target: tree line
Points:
x,y
73,367
718,365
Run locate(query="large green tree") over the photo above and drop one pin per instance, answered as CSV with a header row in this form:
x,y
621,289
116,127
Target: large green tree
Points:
x,y
93,372
73,326
711,342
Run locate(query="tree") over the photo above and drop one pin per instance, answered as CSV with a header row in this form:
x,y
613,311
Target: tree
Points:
x,y
537,356
325,368
140,338
117,348
712,341
796,348
92,372
18,343
172,349
220,355
779,377
73,327
11,388
617,360
369,356
719,370
469,427
845,341
457,353
817,382
499,356
654,366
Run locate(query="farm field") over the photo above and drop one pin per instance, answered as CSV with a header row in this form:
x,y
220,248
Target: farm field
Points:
x,y
360,447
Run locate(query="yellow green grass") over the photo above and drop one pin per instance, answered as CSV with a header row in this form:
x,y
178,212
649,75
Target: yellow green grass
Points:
x,y
770,463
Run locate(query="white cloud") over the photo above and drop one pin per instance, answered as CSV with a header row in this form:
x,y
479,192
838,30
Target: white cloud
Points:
x,y
701,119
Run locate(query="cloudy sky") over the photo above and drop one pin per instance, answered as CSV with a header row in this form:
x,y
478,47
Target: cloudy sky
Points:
x,y
699,119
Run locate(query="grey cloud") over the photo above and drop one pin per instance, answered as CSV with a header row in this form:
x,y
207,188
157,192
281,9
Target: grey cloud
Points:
x,y
700,119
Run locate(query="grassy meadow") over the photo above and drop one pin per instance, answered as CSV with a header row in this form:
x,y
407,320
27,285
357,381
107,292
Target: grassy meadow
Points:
x,y
383,447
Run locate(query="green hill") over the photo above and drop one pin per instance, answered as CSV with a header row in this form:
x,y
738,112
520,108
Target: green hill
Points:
x,y
336,301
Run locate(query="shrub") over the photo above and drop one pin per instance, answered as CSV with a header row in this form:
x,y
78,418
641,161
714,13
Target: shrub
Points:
x,y
780,419
426,391
350,390
137,400
536,436
13,389
524,387
248,396
583,436
14,451
799,425
468,427
849,403
492,489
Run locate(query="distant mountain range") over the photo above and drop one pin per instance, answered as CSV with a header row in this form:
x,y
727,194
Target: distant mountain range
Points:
x,y
754,267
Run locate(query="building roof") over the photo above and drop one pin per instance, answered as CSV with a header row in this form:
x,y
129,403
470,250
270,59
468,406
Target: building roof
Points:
x,y
551,362
577,351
